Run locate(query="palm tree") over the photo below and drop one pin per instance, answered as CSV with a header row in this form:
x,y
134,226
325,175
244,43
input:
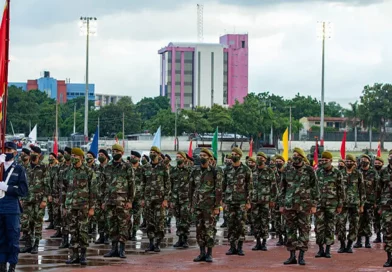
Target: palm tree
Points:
x,y
353,115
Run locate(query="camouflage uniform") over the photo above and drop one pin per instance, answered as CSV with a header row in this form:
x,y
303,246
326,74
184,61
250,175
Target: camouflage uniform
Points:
x,y
53,173
384,179
332,196
120,189
264,192
63,172
155,188
136,207
280,224
385,204
179,178
100,214
38,191
170,211
81,196
355,197
237,187
299,193
24,218
205,194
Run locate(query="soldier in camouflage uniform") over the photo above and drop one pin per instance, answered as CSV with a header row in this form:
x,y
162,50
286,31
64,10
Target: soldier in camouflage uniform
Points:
x,y
50,204
341,165
24,218
332,196
53,175
205,194
263,198
271,163
253,169
80,204
237,187
119,194
385,208
280,224
145,160
179,179
100,214
170,212
384,177
34,204
228,162
298,199
63,171
136,208
90,160
353,205
155,188
371,179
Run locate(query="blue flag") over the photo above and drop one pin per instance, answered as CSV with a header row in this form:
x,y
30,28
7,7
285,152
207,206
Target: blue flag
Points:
x,y
157,138
94,144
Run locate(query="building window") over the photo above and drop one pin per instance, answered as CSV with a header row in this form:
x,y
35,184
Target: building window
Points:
x,y
212,79
225,78
243,44
317,122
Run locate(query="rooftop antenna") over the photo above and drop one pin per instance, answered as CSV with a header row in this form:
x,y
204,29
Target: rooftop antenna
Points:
x,y
200,37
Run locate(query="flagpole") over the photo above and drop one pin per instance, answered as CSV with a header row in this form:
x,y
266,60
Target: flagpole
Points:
x,y
5,96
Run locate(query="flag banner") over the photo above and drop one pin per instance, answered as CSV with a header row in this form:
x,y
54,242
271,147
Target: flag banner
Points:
x,y
215,143
343,146
250,148
94,143
157,138
190,149
315,155
379,150
285,140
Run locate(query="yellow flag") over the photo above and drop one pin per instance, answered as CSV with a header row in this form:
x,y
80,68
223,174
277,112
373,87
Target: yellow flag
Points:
x,y
285,140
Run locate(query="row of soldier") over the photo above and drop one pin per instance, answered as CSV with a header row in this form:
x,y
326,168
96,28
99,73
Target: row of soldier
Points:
x,y
113,192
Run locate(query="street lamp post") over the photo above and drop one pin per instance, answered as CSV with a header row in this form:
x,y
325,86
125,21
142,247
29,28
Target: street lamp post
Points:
x,y
88,26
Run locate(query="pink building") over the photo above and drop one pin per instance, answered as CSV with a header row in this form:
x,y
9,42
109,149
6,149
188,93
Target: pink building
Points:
x,y
203,74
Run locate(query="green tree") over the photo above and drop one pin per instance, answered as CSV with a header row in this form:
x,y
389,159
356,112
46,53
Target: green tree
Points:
x,y
353,116
149,107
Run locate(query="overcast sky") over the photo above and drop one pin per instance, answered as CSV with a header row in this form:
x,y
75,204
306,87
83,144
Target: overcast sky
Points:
x,y
284,54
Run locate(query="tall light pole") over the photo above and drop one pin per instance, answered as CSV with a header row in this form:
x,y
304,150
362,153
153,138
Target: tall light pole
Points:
x,y
324,32
88,26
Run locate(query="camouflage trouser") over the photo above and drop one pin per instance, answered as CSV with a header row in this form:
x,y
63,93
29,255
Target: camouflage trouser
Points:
x,y
260,220
50,211
205,227
56,213
377,221
64,219
236,222
280,224
119,221
297,221
78,227
366,221
352,215
155,220
136,214
387,227
325,225
182,214
35,218
100,217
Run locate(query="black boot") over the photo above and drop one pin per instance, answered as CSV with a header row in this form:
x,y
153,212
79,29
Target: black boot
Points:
x,y
378,238
349,248
64,242
57,234
301,260
157,245
224,224
11,268
51,226
327,252
285,240
74,258
258,245
23,238
232,250
321,252
292,259
101,239
388,263
280,241
367,242
358,244
185,242
342,248
106,241
34,250
83,260
28,247
240,252
121,252
202,255
179,242
208,258
3,267
133,237
263,245
113,252
150,246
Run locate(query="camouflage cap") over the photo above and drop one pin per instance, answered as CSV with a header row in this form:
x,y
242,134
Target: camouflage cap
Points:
x,y
365,156
390,152
77,151
379,159
279,157
252,159
228,156
118,147
207,151
300,151
326,155
341,160
182,154
237,150
350,157
155,149
262,154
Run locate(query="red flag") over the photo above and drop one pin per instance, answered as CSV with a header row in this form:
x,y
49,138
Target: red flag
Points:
x,y
379,149
315,155
343,146
190,150
55,146
4,47
250,148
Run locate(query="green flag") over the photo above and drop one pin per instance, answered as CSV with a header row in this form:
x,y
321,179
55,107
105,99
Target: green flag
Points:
x,y
215,143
